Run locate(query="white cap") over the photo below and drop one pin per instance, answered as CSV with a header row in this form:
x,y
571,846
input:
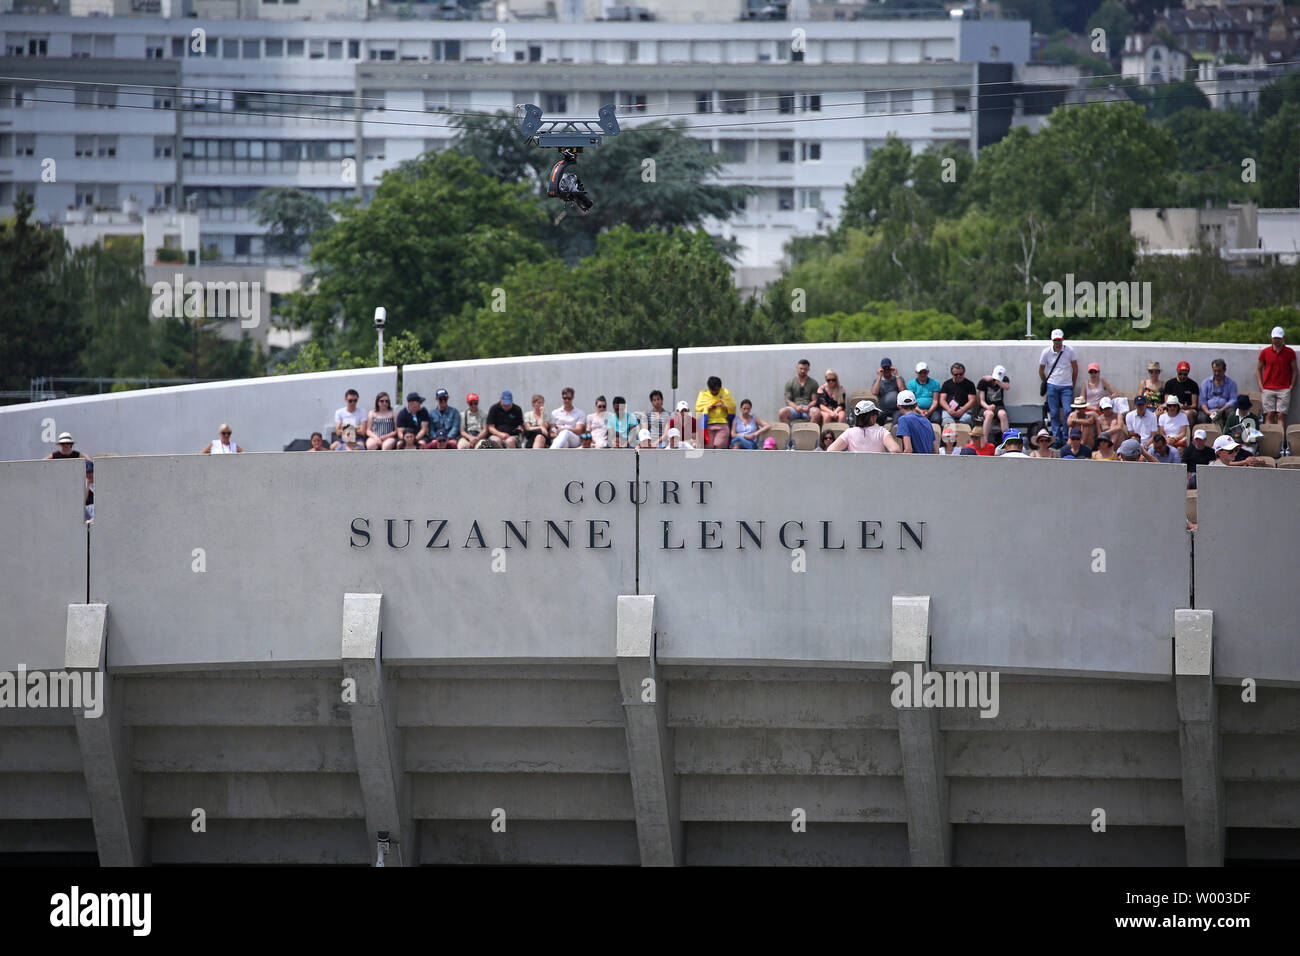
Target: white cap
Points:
x,y
906,399
682,407
1172,400
922,367
865,407
1277,333
999,372
1199,433
1225,442
643,435
672,433
1057,334
65,437
1105,402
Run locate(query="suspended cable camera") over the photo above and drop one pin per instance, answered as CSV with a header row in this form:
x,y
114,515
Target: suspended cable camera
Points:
x,y
570,137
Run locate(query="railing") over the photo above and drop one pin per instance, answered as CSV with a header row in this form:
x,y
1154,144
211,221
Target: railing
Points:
x,y
42,389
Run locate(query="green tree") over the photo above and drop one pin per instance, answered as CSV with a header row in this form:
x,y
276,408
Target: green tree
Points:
x,y
1112,17
1279,167
113,306
292,216
1285,89
886,321
436,230
500,148
1211,145
1163,101
195,348
868,194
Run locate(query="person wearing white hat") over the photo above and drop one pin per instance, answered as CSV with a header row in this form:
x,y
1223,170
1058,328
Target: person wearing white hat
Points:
x,y
687,425
926,392
643,439
1173,424
992,391
866,435
1275,374
222,445
1058,370
673,439
1110,422
63,449
1196,454
913,428
1226,449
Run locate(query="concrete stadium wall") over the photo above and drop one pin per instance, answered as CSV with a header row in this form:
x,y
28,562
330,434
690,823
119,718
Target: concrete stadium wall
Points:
x,y
43,565
265,414
1246,569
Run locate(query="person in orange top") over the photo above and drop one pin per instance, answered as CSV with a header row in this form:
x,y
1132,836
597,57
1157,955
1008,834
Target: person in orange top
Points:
x,y
716,402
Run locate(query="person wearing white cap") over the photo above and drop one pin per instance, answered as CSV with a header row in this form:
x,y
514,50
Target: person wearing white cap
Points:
x,y
866,435
1225,451
673,439
1275,374
1110,422
643,439
1058,369
992,391
1173,423
926,392
687,425
913,428
1195,454
64,449
222,445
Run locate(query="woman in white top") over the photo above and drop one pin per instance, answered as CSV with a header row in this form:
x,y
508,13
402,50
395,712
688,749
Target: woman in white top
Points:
x,y
223,445
536,434
866,435
598,424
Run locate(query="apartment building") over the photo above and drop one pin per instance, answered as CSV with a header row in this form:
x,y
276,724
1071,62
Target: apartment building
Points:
x,y
207,112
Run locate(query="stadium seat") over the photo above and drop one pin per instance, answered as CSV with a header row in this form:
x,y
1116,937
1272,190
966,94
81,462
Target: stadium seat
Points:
x,y
859,395
1268,462
806,435
938,432
1191,506
1290,462
1211,432
963,435
835,428
1271,443
781,432
1293,433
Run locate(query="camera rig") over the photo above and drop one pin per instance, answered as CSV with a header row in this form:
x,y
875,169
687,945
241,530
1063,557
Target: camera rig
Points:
x,y
570,137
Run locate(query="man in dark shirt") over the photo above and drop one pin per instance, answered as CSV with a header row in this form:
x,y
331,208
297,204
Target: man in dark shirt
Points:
x,y
413,423
957,397
505,421
1075,448
1188,392
1197,453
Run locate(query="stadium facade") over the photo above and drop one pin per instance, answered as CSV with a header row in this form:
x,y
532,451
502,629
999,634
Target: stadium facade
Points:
x,y
644,657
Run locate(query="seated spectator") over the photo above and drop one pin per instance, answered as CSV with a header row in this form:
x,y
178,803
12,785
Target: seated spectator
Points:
x,y
1249,442
1075,448
444,423
222,446
473,424
1095,388
505,421
687,425
317,442
350,414
567,423
885,389
657,418
622,424
867,435
968,450
1105,448
1153,386
1083,418
598,424
828,401
1226,451
716,403
1110,423
948,440
957,397
349,442
587,440
1043,446
827,439
1242,417
413,422
1187,392
926,392
673,439
799,393
1218,394
644,439
1173,422
1161,450
1199,452
1013,444
748,430
1140,423
64,448
90,491
992,390
914,431
381,424
536,432
1130,449
977,443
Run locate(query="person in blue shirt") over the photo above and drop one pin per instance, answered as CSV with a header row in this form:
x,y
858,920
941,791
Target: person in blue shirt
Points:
x,y
915,433
1218,394
444,422
926,392
622,424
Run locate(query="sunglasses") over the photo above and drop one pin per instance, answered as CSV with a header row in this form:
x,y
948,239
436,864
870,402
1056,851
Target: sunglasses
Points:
x,y
225,433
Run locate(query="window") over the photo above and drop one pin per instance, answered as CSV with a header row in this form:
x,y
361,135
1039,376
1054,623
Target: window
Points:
x,y
107,147
354,49
104,46
812,102
257,149
519,56
796,56
163,146
534,53
785,103
241,149
374,149
155,48
810,152
164,195
900,101
785,199
81,45
295,48
83,98
372,100
704,102
106,97
870,146
252,49
782,50
317,50
633,51
785,151
961,100
877,101
336,49
85,194
229,49
274,48
733,101
162,99
36,46
178,47
733,150
24,144
451,49
812,198
555,103
83,147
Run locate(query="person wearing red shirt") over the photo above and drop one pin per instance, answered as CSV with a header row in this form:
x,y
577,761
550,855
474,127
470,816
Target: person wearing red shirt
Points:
x,y
1276,376
978,443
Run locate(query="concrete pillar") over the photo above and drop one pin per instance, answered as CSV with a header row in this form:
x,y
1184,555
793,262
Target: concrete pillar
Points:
x,y
384,787
1198,737
113,789
649,741
929,830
